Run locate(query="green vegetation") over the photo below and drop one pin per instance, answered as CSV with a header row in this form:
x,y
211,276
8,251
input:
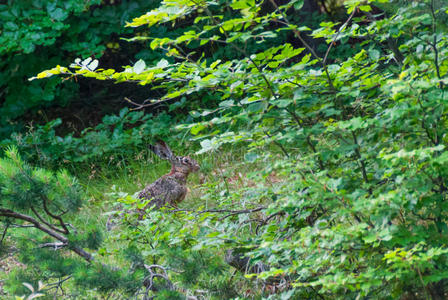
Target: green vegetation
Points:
x,y
36,35
320,128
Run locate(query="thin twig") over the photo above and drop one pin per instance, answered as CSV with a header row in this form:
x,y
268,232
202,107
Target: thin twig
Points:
x,y
21,226
434,140
360,159
55,245
4,232
234,212
149,280
53,227
56,217
278,144
324,61
241,212
434,43
56,284
146,103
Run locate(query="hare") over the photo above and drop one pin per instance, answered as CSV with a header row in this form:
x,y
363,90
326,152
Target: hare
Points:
x,y
171,188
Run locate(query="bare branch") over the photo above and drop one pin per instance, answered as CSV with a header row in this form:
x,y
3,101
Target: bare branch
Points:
x,y
149,280
146,103
233,212
324,62
360,159
244,211
55,245
278,144
61,222
57,285
45,222
21,226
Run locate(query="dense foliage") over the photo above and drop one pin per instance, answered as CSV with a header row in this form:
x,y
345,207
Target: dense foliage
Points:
x,y
35,35
117,136
341,192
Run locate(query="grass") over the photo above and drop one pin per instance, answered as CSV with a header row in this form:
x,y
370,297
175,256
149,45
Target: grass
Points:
x,y
133,174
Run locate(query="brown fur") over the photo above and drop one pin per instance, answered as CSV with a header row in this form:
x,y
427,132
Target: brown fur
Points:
x,y
171,188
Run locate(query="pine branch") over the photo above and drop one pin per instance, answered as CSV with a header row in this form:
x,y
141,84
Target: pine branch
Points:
x,y
12,214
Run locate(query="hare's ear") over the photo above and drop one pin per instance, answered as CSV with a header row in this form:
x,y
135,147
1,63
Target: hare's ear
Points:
x,y
162,150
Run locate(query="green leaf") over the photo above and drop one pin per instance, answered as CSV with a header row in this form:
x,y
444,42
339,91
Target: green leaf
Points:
x,y
197,128
93,65
298,4
163,63
139,66
227,103
365,8
251,157
58,14
374,54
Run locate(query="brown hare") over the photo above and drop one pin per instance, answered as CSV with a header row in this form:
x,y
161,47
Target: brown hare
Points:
x,y
171,188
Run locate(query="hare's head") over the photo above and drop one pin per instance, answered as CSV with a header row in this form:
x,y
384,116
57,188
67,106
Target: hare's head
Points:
x,y
182,164
185,164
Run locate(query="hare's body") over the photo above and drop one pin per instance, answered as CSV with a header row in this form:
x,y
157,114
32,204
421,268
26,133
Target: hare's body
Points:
x,y
163,191
171,188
